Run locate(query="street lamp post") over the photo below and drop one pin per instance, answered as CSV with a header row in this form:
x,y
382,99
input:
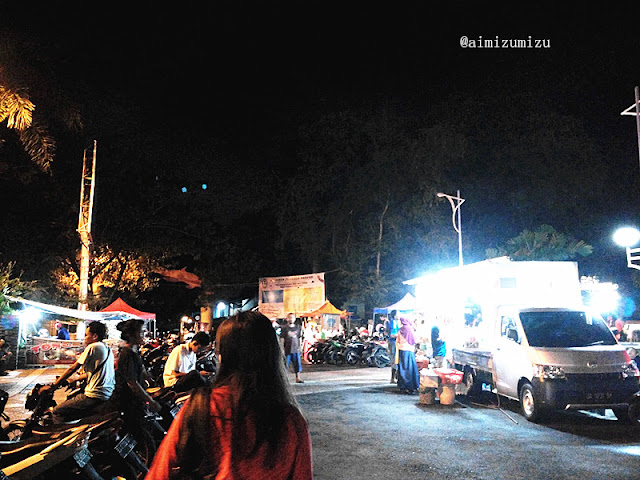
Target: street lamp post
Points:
x,y
636,112
457,226
628,237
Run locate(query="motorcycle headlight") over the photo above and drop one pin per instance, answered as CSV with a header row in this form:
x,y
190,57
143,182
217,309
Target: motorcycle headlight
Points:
x,y
548,372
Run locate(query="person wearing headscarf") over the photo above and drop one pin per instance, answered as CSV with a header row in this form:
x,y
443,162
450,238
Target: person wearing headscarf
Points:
x,y
408,376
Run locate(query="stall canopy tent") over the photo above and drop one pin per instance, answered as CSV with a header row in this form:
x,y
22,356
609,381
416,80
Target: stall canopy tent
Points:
x,y
326,309
73,313
121,306
118,310
407,304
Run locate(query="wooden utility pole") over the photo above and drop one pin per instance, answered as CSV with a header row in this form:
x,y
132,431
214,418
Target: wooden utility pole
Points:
x,y
87,188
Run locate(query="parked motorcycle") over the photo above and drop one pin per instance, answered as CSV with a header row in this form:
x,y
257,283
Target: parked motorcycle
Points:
x,y
51,458
377,355
316,352
208,361
112,452
356,350
335,352
153,361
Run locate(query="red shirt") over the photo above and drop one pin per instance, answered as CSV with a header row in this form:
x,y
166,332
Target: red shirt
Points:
x,y
293,457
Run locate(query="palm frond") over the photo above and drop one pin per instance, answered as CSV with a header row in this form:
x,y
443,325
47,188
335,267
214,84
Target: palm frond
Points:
x,y
39,145
16,108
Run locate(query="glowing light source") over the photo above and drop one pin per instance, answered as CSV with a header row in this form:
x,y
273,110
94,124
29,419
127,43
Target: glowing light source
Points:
x,y
626,236
30,315
605,300
184,189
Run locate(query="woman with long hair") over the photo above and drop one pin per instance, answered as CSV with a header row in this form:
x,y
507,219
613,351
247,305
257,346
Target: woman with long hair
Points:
x,y
129,395
248,424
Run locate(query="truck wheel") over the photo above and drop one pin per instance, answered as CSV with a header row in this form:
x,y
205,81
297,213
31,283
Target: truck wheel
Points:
x,y
622,414
474,388
529,405
630,415
634,412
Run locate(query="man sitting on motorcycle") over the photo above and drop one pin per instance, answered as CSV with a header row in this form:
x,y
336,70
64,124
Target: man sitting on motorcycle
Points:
x,y
98,365
180,370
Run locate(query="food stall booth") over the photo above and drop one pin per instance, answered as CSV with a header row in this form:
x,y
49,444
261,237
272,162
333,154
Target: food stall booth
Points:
x,y
37,344
325,319
406,304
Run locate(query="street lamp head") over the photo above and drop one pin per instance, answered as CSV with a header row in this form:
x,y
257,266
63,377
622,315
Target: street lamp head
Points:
x,y
626,236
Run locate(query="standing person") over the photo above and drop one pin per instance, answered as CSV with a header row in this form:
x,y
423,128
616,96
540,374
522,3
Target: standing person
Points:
x,y
291,334
129,396
180,370
620,335
63,333
392,326
633,354
97,362
5,355
439,348
248,425
408,376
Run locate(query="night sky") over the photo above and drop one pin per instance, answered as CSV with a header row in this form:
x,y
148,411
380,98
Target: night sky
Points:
x,y
246,74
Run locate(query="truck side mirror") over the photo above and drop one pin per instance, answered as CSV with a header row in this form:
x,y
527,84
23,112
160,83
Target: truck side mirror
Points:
x,y
512,334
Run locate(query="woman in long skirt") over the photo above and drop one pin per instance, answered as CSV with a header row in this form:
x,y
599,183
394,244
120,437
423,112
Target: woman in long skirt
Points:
x,y
408,376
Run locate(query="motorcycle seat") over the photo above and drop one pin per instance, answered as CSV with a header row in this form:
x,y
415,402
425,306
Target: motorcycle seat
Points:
x,y
92,422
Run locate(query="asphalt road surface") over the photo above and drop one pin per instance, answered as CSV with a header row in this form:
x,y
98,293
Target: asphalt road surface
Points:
x,y
362,428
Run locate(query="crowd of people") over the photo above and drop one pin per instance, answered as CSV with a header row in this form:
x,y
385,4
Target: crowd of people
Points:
x,y
247,424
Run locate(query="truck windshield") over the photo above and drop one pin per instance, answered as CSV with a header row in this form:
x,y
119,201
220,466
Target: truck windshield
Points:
x,y
565,329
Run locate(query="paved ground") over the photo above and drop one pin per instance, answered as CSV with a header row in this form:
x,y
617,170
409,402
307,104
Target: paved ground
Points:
x,y
362,427
318,379
18,383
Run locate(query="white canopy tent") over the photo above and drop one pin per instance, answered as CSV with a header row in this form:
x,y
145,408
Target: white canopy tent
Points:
x,y
108,316
72,312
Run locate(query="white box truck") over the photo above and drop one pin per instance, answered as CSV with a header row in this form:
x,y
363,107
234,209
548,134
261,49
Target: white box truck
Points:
x,y
521,327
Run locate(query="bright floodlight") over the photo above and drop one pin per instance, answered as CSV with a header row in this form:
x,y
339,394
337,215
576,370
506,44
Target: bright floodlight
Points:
x,y
626,236
30,315
605,301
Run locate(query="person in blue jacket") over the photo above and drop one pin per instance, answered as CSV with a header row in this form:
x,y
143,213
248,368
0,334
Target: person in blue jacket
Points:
x,y
63,333
391,327
439,348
